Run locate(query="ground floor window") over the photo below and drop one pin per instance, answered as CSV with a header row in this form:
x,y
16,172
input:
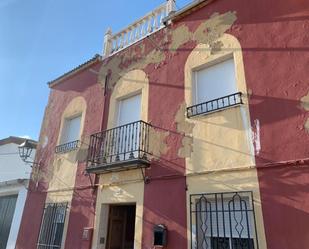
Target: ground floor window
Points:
x,y
223,221
52,226
7,209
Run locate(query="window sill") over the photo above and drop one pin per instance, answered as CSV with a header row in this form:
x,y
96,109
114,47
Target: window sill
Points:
x,y
67,147
215,105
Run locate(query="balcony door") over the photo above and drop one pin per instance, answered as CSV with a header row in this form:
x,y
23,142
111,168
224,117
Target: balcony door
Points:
x,y
128,134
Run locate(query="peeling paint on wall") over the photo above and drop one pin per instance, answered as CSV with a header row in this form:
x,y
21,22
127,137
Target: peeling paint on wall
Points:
x,y
157,143
207,32
307,125
304,102
256,137
185,127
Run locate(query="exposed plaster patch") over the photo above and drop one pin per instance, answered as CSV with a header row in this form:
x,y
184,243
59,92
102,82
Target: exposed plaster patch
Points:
x,y
304,102
186,128
115,66
182,123
307,125
187,147
44,142
256,137
157,143
207,32
180,36
216,47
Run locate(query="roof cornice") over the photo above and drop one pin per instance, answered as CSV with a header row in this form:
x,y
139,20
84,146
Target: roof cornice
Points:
x,y
77,69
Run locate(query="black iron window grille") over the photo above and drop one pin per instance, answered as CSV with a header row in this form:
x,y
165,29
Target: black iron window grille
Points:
x,y
52,226
63,148
215,105
223,221
120,144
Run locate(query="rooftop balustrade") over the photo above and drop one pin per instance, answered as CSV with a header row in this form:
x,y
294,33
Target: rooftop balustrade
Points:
x,y
138,30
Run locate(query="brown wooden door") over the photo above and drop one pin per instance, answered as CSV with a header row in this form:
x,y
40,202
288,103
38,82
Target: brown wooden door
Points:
x,y
121,227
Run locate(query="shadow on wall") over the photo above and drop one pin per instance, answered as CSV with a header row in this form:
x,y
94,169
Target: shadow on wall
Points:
x,y
81,216
165,203
285,204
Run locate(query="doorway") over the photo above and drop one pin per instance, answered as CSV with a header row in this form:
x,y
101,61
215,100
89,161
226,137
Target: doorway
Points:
x,y
121,227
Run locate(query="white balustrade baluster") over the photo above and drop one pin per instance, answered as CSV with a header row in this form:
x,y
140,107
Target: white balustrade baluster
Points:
x,y
128,37
144,27
150,21
122,40
155,21
137,34
132,34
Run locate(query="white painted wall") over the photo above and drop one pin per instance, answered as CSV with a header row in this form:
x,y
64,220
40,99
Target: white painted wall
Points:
x,y
11,166
14,175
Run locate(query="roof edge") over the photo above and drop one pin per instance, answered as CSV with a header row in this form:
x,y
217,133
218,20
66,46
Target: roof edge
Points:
x,y
75,70
15,140
189,8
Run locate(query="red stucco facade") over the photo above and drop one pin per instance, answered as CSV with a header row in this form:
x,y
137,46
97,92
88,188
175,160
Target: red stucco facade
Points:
x,y
274,37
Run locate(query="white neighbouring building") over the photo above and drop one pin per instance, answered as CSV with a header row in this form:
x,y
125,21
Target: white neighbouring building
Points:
x,y
14,179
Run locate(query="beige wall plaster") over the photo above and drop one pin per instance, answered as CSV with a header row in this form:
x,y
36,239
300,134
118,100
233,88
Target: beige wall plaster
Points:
x,y
307,125
118,188
304,101
222,139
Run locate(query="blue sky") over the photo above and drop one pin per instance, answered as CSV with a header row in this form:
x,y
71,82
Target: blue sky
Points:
x,y
42,39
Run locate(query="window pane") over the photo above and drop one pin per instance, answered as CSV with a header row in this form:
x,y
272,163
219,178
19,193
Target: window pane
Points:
x,y
71,130
215,82
129,110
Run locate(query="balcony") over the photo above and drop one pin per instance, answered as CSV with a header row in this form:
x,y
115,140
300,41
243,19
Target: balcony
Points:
x,y
214,105
67,147
143,27
121,148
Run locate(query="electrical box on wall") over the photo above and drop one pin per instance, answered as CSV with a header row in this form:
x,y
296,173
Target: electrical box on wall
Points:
x,y
87,233
160,235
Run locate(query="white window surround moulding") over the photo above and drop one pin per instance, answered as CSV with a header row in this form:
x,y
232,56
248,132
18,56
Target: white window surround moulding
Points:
x,y
140,29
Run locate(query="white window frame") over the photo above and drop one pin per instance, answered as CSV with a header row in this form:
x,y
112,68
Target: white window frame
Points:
x,y
119,104
65,128
195,71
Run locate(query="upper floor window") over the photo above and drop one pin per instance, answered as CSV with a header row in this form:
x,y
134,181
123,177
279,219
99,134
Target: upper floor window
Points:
x,y
70,135
215,88
71,130
129,110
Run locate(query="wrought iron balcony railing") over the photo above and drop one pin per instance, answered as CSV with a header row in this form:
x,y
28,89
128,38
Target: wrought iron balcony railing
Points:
x,y
119,148
215,105
63,148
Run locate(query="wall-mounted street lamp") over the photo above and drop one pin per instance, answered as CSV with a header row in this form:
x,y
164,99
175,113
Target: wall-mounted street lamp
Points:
x,y
25,150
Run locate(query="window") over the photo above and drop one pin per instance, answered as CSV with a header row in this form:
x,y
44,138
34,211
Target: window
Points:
x,y
70,135
129,110
223,221
52,226
71,130
7,209
214,88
